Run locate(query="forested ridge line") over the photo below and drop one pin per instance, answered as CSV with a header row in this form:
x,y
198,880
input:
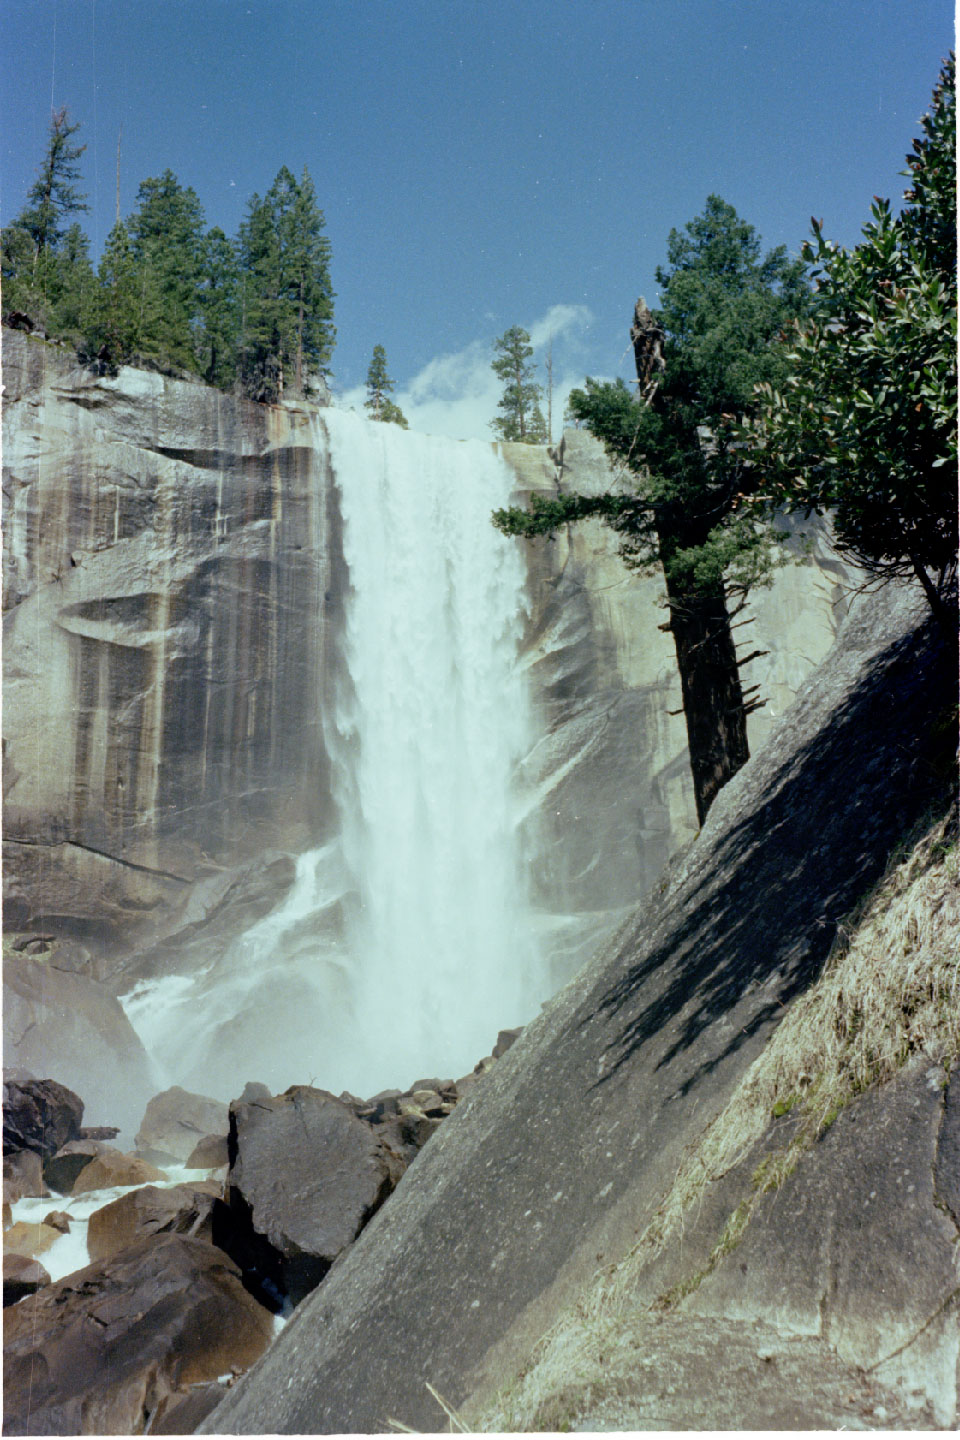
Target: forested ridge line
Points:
x,y
253,312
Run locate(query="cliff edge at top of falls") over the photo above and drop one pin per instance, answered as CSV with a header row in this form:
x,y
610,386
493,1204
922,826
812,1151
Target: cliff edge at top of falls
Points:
x,y
561,1159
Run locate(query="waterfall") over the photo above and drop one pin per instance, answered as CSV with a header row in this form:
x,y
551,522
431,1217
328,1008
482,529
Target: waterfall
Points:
x,y
405,943
430,725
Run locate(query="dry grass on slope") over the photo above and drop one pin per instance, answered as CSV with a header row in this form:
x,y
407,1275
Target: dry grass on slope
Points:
x,y
890,989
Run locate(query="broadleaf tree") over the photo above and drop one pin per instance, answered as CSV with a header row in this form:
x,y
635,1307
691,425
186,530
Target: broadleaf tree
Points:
x,y
864,423
522,418
682,502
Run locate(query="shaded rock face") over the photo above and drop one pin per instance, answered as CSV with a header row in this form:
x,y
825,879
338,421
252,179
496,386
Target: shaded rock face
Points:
x,y
305,1176
98,1352
21,1276
174,583
560,1158
39,1115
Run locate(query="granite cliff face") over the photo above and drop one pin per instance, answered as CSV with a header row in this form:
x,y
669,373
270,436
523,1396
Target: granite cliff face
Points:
x,y
173,585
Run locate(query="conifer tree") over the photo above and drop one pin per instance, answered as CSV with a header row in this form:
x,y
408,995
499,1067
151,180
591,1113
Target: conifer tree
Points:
x,y
684,503
219,290
379,385
167,245
522,417
39,246
54,196
287,298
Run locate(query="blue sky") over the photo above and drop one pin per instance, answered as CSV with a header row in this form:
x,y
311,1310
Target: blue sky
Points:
x,y
482,164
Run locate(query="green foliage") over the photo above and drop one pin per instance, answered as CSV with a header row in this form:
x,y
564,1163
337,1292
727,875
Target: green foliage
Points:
x,y
53,195
171,294
684,501
864,423
522,417
45,262
167,245
218,296
286,326
379,385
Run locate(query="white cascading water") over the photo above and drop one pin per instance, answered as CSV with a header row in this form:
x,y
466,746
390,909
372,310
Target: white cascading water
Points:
x,y
402,948
431,725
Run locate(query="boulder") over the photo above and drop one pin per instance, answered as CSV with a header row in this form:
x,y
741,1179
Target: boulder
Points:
x,y
55,1020
176,1120
97,1352
26,1237
59,1219
39,1115
111,1167
180,1412
21,1276
23,1175
62,1170
176,1210
210,1153
306,1176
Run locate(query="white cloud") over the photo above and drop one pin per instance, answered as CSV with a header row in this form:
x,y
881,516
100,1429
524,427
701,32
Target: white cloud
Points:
x,y
457,394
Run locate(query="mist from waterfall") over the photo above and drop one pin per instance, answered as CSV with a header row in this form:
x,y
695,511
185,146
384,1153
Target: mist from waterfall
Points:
x,y
404,944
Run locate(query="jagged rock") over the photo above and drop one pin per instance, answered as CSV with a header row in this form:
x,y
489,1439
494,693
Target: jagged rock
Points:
x,y
61,1171
97,1352
305,1177
210,1153
177,1119
255,1090
111,1167
175,1210
70,1025
21,1276
28,1238
23,1176
505,1039
39,1115
99,1132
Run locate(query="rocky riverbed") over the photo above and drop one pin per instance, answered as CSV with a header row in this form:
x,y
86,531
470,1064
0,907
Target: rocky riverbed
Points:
x,y
138,1285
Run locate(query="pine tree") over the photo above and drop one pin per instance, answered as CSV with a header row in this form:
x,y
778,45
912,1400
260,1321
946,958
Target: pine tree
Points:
x,y
287,298
54,196
167,245
39,247
685,509
219,291
522,417
379,385
114,331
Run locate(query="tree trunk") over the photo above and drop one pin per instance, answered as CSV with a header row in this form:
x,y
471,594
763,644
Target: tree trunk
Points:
x,y
712,694
713,704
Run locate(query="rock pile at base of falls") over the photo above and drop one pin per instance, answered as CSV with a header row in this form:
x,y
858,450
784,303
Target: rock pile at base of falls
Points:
x,y
184,1279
